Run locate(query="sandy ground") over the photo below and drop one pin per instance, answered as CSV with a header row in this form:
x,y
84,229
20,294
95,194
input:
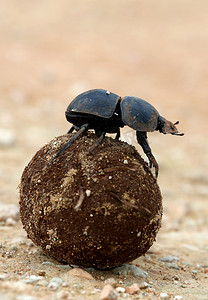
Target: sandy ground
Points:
x,y
157,50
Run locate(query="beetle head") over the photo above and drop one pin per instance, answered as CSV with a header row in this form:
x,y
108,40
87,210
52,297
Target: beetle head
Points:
x,y
165,126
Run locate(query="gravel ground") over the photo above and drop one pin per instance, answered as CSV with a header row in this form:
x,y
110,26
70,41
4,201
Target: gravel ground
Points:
x,y
51,52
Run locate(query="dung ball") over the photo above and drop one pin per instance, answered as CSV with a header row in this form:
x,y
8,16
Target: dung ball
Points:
x,y
98,209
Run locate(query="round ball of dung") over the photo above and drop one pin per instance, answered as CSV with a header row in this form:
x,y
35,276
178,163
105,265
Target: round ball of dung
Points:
x,y
95,209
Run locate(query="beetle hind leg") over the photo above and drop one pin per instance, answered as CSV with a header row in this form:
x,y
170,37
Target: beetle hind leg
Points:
x,y
142,140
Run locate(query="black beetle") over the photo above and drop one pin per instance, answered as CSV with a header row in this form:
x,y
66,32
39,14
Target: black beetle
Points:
x,y
106,112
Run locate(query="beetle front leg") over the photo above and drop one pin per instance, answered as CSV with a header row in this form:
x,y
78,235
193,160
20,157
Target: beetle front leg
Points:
x,y
72,129
81,130
142,140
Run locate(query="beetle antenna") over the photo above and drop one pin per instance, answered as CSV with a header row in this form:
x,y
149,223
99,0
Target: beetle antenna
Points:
x,y
180,134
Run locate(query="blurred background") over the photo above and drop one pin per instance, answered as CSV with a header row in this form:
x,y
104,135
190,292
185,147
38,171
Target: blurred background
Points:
x,y
157,50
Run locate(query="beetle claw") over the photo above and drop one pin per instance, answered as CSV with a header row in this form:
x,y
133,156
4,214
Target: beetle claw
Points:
x,y
153,163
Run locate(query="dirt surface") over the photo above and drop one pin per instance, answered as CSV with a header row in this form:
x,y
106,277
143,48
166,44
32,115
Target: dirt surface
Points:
x,y
156,50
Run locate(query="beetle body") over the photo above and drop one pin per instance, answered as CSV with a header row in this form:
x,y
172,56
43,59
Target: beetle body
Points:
x,y
99,108
106,112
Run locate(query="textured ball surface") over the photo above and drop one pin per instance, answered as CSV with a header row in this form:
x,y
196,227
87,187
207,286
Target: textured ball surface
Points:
x,y
98,209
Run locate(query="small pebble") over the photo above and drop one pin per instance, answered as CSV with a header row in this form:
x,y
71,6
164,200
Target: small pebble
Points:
x,y
132,270
77,272
3,276
55,283
108,293
13,248
88,192
10,222
111,281
164,296
32,279
42,273
169,258
172,266
42,282
144,285
95,291
133,289
120,289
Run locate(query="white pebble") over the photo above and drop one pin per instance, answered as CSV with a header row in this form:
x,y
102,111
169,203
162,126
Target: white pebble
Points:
x,y
125,162
88,192
32,279
55,283
11,222
120,289
3,276
164,296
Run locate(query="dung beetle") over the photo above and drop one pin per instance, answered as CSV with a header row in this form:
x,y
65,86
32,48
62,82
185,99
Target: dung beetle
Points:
x,y
106,112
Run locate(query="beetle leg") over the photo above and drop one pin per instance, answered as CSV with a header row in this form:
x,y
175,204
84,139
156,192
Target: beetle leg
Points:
x,y
71,141
99,140
142,140
71,129
118,134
